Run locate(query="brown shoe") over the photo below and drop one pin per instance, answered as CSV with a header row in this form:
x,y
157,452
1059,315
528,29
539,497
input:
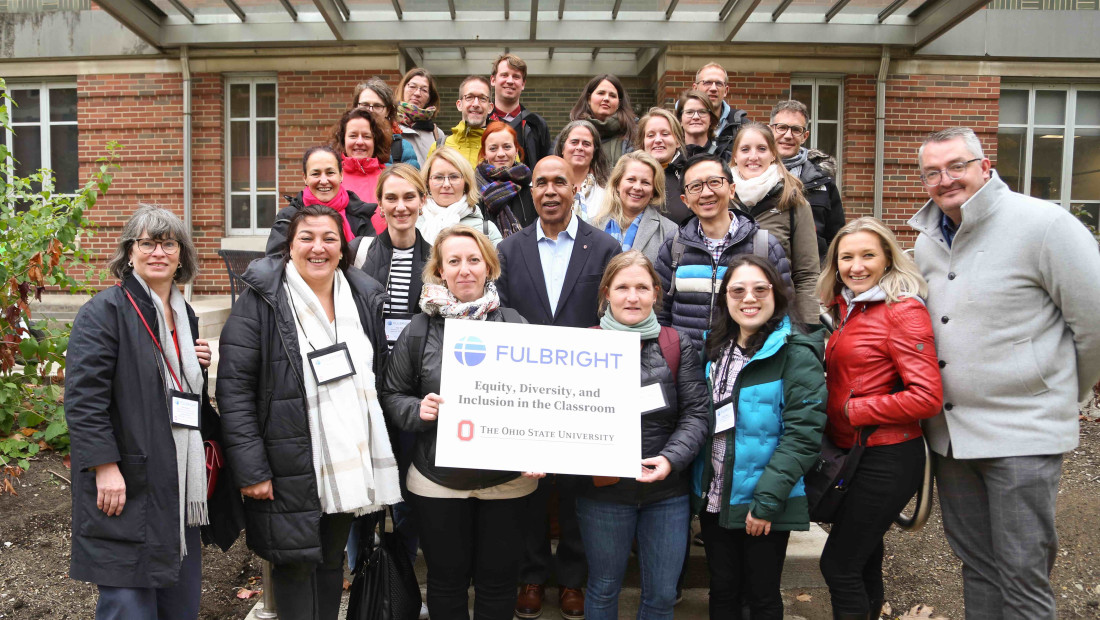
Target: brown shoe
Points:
x,y
529,601
571,602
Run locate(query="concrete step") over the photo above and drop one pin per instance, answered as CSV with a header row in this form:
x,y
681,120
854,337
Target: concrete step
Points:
x,y
212,312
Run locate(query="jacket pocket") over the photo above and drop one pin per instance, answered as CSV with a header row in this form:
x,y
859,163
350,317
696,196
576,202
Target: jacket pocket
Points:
x,y
130,525
1027,367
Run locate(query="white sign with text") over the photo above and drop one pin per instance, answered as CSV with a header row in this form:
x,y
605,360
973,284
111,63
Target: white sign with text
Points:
x,y
536,398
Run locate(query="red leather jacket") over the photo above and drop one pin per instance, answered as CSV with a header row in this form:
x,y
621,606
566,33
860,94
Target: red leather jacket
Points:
x,y
881,368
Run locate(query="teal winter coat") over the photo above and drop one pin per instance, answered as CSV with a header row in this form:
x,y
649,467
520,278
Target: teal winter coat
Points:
x,y
780,416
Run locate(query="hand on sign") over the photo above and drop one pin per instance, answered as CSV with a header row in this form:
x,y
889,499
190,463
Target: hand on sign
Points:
x,y
429,407
654,469
534,474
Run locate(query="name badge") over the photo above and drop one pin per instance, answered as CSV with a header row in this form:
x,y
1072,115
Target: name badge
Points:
x,y
185,408
652,397
331,363
395,324
723,415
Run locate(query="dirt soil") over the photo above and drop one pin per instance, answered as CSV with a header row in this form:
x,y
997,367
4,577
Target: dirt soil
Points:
x,y
920,567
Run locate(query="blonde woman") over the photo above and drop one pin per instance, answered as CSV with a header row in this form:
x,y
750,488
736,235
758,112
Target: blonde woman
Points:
x,y
883,378
661,135
452,196
633,208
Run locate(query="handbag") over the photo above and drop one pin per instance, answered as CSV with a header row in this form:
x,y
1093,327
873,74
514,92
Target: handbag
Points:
x,y
215,460
384,585
828,480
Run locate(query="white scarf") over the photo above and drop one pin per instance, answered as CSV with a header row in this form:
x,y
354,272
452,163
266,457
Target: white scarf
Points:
x,y
752,191
352,458
436,218
190,457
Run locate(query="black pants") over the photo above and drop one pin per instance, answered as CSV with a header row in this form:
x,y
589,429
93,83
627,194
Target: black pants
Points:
x,y
743,566
305,591
570,568
887,478
466,539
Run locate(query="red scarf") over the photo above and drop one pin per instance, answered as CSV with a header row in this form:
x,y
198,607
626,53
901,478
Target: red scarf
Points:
x,y
339,203
362,165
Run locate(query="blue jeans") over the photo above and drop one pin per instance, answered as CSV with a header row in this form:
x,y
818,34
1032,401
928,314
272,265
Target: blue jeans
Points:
x,y
608,530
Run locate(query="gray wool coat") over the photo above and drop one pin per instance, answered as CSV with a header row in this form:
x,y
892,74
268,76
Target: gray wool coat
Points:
x,y
1015,305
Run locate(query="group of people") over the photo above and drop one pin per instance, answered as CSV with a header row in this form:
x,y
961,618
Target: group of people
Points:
x,y
717,239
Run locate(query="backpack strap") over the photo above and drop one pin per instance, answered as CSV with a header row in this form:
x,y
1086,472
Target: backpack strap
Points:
x,y
760,243
678,249
397,149
418,340
669,340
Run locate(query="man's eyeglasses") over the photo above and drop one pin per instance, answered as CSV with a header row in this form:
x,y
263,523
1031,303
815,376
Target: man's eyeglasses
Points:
x,y
782,128
482,99
737,292
714,183
954,172
148,246
711,83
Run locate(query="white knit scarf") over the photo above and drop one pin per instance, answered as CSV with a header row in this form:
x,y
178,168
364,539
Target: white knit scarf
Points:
x,y
190,458
352,458
436,218
752,191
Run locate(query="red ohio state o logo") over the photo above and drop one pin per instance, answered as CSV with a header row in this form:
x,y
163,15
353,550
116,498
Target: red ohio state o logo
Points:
x,y
465,430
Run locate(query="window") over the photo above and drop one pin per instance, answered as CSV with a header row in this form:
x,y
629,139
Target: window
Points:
x,y
1048,144
823,97
44,133
252,158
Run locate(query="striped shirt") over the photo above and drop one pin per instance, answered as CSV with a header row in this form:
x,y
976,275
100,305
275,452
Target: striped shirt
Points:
x,y
726,369
399,282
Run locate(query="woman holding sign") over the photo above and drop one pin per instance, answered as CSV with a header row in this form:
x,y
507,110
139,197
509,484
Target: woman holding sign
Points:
x,y
654,508
296,390
768,390
468,519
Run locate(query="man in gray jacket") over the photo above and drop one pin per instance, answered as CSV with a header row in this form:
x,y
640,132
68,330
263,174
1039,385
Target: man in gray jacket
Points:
x,y
1013,285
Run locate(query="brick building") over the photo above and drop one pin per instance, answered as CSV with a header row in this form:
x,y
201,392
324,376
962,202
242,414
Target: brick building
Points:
x,y
255,82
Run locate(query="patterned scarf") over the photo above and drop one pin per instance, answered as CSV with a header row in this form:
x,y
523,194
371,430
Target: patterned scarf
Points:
x,y
437,300
501,183
409,113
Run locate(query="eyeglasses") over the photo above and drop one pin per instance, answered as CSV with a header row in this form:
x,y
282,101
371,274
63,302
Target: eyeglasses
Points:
x,y
417,89
482,99
440,179
954,172
695,113
372,107
782,128
715,183
711,83
148,246
737,292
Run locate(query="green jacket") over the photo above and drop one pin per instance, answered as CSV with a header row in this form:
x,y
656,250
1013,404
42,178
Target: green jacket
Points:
x,y
780,416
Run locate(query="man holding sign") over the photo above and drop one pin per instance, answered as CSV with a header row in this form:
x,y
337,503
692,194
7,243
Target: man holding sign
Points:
x,y
551,272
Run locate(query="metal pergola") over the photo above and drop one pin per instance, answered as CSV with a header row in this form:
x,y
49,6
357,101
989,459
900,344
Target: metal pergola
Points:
x,y
454,36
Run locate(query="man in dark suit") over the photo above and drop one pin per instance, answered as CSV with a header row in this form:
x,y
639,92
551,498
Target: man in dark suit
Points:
x,y
550,274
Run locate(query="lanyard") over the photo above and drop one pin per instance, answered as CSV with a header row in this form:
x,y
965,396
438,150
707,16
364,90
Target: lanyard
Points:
x,y
155,341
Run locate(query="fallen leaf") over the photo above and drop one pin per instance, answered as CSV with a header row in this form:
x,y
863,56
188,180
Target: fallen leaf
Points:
x,y
7,488
886,609
68,462
804,597
920,612
347,584
27,431
245,593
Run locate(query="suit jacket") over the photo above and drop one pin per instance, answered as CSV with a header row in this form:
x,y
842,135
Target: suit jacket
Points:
x,y
653,230
522,286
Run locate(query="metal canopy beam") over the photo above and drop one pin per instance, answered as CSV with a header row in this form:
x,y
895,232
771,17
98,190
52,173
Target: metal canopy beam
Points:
x,y
236,9
837,7
534,19
335,20
139,18
595,52
186,12
451,8
889,10
561,8
615,9
737,16
779,9
506,9
943,17
290,9
396,9
671,9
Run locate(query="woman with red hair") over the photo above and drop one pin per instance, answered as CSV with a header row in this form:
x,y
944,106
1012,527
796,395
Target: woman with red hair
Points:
x,y
503,181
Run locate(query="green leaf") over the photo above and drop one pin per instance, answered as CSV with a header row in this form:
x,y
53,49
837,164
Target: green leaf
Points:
x,y
29,348
54,429
31,418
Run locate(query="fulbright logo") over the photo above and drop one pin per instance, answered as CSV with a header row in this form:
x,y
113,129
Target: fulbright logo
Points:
x,y
470,351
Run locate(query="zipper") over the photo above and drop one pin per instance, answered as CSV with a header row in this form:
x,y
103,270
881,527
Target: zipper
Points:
x,y
282,339
731,446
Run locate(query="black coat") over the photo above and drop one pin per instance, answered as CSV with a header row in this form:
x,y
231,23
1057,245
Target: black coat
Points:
x,y
522,286
534,136
358,213
116,405
377,264
400,395
675,209
265,417
676,432
820,190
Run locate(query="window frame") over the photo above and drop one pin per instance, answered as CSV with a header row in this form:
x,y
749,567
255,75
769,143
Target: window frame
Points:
x,y
815,82
252,81
1069,130
44,124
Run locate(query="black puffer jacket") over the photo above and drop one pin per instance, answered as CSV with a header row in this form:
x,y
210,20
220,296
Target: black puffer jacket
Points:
x,y
676,432
400,395
116,405
265,417
357,212
380,255
819,188
697,276
675,209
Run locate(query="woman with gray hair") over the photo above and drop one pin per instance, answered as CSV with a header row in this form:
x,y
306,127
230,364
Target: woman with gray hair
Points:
x,y
579,145
134,396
